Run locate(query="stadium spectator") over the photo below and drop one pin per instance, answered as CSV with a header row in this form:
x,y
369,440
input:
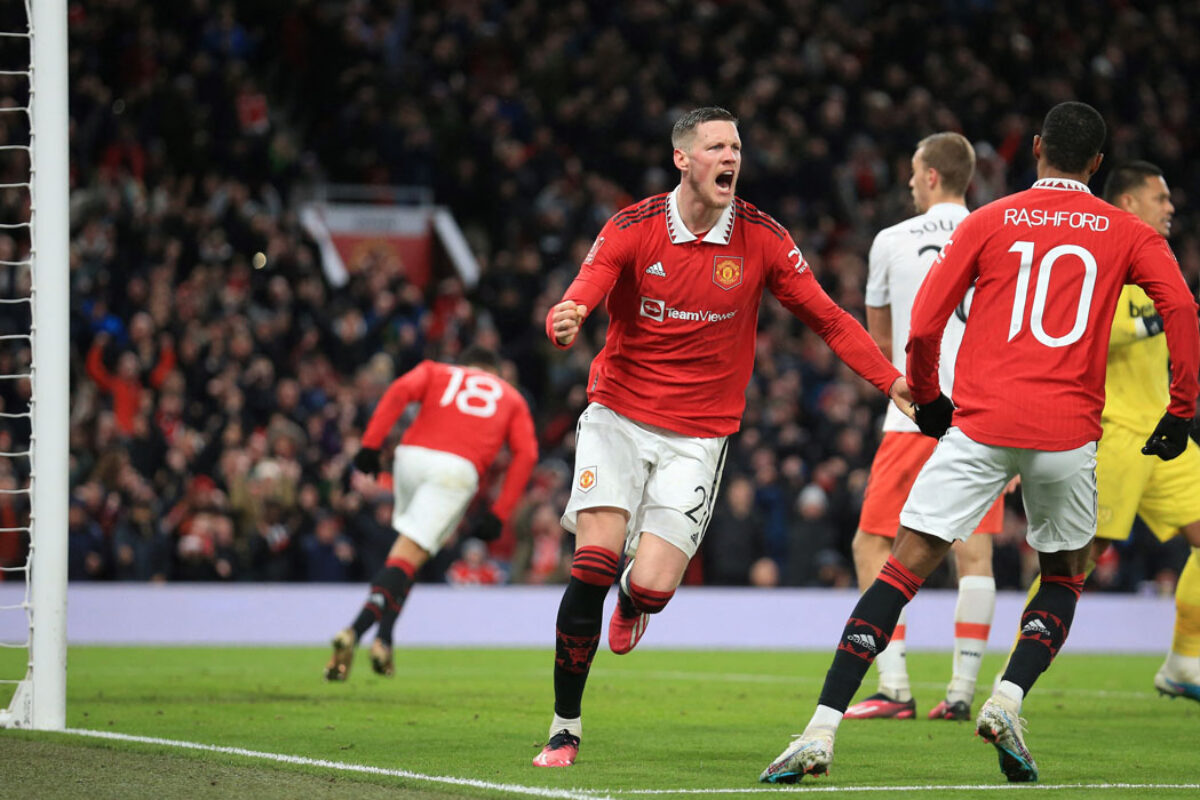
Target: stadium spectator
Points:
x,y
682,275
565,118
474,567
467,413
1030,398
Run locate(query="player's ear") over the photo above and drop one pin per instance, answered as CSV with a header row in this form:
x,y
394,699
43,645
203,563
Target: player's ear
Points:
x,y
1037,146
1094,167
681,159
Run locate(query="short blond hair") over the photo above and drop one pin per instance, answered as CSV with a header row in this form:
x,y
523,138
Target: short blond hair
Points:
x,y
685,126
952,156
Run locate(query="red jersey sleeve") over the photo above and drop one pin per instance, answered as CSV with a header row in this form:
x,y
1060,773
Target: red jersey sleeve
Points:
x,y
792,282
1155,269
522,442
406,389
942,290
597,274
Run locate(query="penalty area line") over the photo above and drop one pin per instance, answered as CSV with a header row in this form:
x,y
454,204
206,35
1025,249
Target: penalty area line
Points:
x,y
529,791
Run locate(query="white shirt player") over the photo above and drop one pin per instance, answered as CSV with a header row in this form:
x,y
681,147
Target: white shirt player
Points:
x,y
899,260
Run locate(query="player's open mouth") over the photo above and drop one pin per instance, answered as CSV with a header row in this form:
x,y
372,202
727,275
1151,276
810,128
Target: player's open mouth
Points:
x,y
725,179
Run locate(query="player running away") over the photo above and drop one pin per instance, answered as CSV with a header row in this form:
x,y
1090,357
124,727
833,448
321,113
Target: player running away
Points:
x,y
468,412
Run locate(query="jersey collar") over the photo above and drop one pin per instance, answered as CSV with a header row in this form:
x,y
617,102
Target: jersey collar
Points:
x,y
720,233
1062,184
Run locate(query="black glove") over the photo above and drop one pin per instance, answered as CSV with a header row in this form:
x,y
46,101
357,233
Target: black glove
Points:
x,y
934,418
366,460
1154,325
488,527
1170,437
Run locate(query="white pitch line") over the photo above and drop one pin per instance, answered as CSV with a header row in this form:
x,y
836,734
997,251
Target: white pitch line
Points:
x,y
598,794
531,791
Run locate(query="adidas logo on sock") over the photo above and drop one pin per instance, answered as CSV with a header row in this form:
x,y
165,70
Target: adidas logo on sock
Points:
x,y
863,640
656,269
1035,626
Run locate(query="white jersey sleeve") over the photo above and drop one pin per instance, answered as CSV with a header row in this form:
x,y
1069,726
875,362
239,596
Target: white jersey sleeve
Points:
x,y
899,260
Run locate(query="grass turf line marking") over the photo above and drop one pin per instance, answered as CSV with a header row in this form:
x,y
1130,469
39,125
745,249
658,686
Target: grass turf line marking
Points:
x,y
532,791
583,794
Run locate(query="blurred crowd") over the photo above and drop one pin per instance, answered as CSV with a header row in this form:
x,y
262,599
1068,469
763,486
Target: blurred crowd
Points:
x,y
220,383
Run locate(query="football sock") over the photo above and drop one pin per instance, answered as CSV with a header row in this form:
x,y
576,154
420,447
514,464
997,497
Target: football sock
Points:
x,y
1186,642
389,589
972,624
892,664
867,632
646,601
577,634
825,717
572,726
1044,628
1033,590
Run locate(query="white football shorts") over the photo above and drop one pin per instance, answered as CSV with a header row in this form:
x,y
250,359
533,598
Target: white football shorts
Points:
x,y
667,482
963,477
433,489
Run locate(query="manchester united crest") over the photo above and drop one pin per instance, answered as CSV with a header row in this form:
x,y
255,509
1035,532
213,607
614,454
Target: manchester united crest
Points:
x,y
587,479
727,271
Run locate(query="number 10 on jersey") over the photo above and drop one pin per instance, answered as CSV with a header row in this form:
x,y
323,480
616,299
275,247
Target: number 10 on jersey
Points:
x,y
1042,290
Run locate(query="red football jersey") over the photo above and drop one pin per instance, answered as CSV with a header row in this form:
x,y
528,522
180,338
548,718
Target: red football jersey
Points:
x,y
1048,265
464,411
683,313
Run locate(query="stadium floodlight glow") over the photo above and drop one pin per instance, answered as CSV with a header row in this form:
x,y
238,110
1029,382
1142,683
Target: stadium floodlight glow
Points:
x,y
39,700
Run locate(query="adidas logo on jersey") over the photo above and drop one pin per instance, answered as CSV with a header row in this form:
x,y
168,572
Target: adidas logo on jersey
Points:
x,y
656,269
865,641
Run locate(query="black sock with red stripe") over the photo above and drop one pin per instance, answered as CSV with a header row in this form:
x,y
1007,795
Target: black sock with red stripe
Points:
x,y
641,600
868,632
389,589
1044,627
577,634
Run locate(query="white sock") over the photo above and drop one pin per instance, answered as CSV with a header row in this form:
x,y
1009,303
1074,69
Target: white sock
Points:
x,y
1012,692
825,717
972,624
892,664
572,726
1178,666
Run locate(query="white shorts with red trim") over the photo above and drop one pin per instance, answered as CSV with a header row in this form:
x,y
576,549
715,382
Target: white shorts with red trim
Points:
x,y
962,479
665,481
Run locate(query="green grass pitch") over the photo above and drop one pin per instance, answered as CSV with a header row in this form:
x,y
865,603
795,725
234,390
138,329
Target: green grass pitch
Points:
x,y
656,723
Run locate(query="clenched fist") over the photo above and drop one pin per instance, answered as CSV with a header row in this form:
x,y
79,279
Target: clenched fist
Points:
x,y
566,317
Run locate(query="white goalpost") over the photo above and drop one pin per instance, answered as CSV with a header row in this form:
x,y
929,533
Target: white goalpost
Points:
x,y
39,699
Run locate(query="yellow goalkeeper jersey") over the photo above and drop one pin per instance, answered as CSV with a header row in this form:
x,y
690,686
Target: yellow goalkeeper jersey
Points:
x,y
1137,385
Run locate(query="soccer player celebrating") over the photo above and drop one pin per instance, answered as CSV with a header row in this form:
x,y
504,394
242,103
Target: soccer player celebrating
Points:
x,y
900,257
683,274
1048,265
467,414
1163,493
